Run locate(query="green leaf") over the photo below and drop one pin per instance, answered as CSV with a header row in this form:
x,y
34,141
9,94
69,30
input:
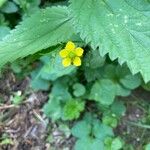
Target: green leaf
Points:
x,y
89,117
146,86
37,82
53,68
120,28
131,82
17,98
116,144
72,109
40,84
60,90
79,89
89,143
122,78
103,91
121,90
113,143
53,109
4,31
6,141
93,59
108,141
65,129
28,6
115,73
81,129
50,69
101,131
9,7
16,67
46,28
2,2
110,121
118,108
58,97
92,74
147,147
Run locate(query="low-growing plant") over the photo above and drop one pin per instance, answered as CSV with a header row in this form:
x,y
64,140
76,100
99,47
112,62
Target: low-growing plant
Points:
x,y
87,54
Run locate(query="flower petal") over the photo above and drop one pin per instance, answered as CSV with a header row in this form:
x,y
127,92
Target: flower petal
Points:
x,y
63,53
70,46
66,62
79,51
77,61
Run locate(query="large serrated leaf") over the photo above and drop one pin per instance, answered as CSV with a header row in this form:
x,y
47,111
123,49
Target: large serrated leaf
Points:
x,y
118,27
43,29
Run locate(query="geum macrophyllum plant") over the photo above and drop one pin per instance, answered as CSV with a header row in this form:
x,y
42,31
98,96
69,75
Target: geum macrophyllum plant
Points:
x,y
71,54
94,93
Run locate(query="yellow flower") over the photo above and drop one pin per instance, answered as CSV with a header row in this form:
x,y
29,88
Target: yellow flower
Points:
x,y
71,55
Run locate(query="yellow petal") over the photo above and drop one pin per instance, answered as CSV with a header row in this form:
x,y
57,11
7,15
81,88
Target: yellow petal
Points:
x,y
63,53
77,61
79,51
66,62
70,46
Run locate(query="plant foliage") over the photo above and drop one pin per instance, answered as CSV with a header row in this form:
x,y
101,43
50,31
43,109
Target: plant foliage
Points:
x,y
87,99
120,28
46,28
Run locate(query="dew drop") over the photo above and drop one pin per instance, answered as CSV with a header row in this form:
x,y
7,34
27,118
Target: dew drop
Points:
x,y
110,15
89,6
96,94
125,19
139,24
116,26
20,44
113,30
43,20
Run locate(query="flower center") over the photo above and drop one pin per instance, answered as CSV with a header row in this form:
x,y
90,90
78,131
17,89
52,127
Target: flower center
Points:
x,y
72,54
